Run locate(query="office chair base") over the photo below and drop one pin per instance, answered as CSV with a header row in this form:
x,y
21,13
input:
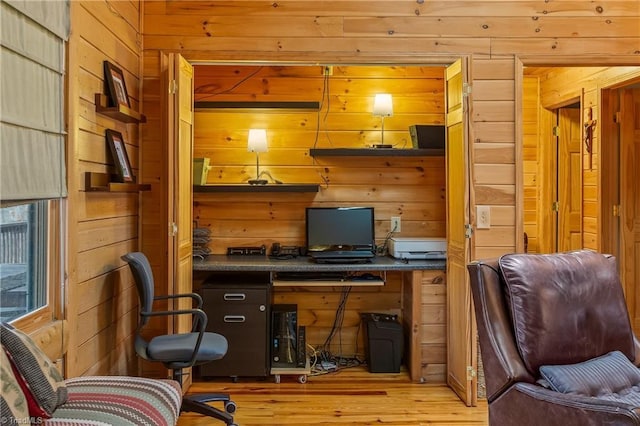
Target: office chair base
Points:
x,y
198,404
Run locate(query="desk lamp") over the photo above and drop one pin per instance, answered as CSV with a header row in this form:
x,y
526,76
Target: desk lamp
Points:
x,y
257,143
383,107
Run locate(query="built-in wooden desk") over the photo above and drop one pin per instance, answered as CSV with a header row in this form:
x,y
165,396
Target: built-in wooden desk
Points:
x,y
241,263
423,298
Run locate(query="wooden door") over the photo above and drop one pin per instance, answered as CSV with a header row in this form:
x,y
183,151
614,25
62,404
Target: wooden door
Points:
x,y
569,230
180,84
182,112
461,330
629,208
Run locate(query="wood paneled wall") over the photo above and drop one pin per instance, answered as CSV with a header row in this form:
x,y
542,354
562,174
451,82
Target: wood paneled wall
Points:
x,y
494,154
102,226
347,30
496,35
409,187
101,297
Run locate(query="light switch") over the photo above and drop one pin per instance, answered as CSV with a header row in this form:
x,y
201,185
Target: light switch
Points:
x,y
483,217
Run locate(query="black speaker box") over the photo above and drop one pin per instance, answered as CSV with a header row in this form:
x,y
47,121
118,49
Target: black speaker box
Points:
x,y
427,136
384,342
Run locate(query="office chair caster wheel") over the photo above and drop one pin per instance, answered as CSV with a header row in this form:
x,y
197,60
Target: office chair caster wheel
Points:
x,y
230,407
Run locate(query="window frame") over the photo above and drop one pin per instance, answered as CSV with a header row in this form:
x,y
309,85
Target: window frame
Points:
x,y
53,308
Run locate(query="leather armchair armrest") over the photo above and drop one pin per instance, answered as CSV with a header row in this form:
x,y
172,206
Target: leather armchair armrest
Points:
x,y
525,404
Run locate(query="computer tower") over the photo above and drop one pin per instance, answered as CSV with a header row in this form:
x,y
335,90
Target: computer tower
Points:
x,y
284,335
302,347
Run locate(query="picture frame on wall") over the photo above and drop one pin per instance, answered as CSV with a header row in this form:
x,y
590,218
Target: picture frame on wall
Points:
x,y
116,87
118,149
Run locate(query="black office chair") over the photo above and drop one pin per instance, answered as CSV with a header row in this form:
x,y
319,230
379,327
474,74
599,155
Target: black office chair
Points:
x,y
179,351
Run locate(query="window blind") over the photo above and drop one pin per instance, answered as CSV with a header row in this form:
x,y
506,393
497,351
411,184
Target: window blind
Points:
x,y
32,122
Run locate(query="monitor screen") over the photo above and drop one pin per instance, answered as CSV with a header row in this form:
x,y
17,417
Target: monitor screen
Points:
x,y
340,229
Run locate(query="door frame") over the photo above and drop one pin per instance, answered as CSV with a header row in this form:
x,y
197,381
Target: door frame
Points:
x,y
444,61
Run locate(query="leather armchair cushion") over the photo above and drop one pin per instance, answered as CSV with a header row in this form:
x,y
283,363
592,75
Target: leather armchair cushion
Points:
x,y
565,308
601,377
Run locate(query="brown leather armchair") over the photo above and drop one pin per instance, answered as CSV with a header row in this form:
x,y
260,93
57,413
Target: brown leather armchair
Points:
x,y
537,312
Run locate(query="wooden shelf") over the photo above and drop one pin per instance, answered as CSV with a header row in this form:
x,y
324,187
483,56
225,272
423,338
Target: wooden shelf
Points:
x,y
120,112
375,152
257,188
103,182
291,105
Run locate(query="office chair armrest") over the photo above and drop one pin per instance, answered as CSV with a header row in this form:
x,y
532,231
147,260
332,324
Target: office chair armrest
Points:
x,y
199,324
200,317
195,296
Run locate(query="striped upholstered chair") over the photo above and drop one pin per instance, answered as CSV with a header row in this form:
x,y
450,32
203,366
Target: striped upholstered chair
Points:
x,y
34,392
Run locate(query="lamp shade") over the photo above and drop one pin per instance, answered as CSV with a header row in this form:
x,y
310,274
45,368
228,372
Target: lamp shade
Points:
x,y
257,141
383,105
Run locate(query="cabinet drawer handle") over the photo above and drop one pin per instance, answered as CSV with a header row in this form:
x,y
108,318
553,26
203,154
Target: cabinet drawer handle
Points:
x,y
234,318
235,296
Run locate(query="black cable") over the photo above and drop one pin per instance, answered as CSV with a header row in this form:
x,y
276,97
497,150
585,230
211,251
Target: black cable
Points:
x,y
385,243
243,80
324,355
325,100
338,319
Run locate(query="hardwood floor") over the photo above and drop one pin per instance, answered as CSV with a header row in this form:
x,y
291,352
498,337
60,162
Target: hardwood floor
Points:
x,y
349,397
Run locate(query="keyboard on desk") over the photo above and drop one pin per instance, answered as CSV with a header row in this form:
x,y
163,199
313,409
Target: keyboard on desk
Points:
x,y
311,276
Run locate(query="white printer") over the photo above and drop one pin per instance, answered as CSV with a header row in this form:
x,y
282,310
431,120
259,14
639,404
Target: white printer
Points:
x,y
418,248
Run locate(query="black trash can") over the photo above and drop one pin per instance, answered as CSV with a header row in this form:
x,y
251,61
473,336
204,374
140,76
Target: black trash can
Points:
x,y
384,342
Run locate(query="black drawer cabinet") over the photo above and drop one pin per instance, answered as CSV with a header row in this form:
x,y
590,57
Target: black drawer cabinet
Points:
x,y
237,306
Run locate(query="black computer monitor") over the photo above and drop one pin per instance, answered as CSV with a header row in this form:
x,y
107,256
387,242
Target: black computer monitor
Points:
x,y
340,231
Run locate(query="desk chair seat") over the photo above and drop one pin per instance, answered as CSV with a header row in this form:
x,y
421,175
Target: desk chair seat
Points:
x,y
176,350
183,350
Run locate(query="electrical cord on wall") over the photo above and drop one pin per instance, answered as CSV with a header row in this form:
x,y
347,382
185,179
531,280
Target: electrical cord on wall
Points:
x,y
230,89
382,250
325,97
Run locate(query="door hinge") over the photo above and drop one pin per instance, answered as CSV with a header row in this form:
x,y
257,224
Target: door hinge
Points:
x,y
173,87
556,131
468,230
173,229
616,210
617,117
471,372
555,206
466,89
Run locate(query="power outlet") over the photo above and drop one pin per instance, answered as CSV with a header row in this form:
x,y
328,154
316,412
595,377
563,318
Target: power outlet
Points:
x,y
483,217
396,224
